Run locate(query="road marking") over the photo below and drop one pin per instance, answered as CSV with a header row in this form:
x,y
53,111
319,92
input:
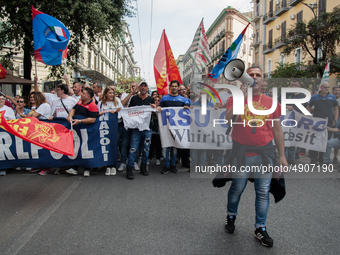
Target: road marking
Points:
x,y
25,237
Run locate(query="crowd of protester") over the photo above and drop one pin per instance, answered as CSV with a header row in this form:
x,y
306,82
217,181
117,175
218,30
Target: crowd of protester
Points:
x,y
141,146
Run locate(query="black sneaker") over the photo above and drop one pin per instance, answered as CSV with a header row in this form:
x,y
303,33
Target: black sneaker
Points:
x,y
230,224
174,169
129,174
261,234
165,170
143,170
335,161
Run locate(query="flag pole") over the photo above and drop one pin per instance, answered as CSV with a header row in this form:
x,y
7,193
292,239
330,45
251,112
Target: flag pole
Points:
x,y
35,63
65,66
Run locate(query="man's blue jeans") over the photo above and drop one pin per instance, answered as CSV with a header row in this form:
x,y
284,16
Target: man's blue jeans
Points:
x,y
333,143
170,156
262,185
290,153
143,138
125,136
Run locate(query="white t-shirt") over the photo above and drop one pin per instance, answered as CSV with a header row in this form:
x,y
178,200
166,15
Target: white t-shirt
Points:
x,y
76,97
59,109
51,97
9,113
96,97
110,106
45,111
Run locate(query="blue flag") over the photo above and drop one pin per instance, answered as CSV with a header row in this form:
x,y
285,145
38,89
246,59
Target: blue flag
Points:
x,y
230,54
50,38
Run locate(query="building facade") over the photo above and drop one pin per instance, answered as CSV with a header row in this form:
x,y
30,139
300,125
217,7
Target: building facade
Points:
x,y
223,32
272,19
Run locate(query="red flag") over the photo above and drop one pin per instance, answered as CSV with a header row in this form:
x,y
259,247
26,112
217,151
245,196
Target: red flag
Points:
x,y
165,66
50,136
2,72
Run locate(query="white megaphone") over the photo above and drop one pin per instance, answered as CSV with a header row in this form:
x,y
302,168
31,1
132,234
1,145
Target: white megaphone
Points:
x,y
235,70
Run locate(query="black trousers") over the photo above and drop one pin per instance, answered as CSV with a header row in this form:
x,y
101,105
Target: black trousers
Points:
x,y
155,145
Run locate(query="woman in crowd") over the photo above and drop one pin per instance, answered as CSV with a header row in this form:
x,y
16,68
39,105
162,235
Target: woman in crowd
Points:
x,y
43,112
154,94
31,103
8,114
111,104
20,110
155,140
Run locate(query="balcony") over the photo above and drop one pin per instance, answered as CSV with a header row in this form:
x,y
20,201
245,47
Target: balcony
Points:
x,y
294,2
281,8
256,17
268,17
256,42
267,48
280,41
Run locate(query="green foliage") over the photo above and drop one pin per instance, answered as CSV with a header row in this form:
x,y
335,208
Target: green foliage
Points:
x,y
86,20
322,33
124,83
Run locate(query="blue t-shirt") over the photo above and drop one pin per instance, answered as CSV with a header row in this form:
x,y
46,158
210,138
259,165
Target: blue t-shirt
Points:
x,y
323,106
177,101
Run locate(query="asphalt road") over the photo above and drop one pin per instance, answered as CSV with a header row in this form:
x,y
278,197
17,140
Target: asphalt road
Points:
x,y
159,214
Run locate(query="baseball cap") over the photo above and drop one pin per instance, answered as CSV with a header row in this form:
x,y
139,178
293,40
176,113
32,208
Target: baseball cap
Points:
x,y
142,83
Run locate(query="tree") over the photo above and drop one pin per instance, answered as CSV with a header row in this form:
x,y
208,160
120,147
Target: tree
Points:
x,y
86,20
318,34
124,83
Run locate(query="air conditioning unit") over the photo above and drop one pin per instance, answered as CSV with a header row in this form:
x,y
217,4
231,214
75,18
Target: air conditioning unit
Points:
x,y
292,16
278,27
277,2
253,35
21,69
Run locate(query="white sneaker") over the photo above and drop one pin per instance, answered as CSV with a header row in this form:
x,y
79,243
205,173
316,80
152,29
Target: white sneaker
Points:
x,y
18,168
86,173
28,168
2,172
108,171
158,162
71,171
149,161
113,171
136,167
122,167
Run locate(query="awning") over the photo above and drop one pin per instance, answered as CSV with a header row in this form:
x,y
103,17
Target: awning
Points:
x,y
10,79
96,76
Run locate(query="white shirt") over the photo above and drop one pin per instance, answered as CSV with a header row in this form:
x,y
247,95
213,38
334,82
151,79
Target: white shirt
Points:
x,y
224,97
59,109
96,97
110,106
9,113
51,97
45,111
76,97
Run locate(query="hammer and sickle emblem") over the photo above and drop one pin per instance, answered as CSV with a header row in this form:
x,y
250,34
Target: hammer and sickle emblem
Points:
x,y
44,132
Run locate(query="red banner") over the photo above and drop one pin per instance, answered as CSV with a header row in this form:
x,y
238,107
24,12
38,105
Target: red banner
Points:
x,y
50,136
2,72
165,66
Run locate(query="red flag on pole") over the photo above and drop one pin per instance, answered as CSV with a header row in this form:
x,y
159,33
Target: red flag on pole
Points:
x,y
50,136
165,66
2,72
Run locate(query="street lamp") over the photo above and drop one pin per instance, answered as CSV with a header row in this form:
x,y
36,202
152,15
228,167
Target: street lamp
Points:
x,y
312,6
116,61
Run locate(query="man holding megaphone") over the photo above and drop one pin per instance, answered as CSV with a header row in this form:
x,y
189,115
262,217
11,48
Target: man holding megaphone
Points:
x,y
253,150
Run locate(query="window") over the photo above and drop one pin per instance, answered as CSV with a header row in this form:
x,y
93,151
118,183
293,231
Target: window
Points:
x,y
89,60
322,6
299,17
269,67
282,59
270,38
298,57
283,30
